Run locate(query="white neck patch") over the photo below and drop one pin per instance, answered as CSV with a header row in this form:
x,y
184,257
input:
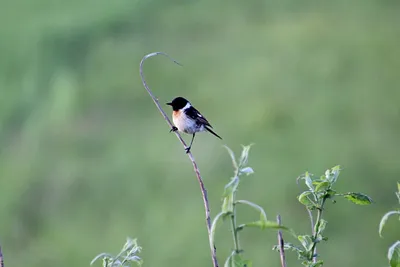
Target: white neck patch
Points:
x,y
188,105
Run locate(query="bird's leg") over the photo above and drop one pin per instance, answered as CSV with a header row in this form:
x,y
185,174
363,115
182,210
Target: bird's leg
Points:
x,y
190,146
174,129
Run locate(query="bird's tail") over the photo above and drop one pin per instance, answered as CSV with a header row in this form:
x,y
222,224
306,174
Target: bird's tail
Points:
x,y
211,131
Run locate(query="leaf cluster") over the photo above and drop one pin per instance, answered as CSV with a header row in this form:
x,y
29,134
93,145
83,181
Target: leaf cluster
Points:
x,y
126,258
394,250
319,190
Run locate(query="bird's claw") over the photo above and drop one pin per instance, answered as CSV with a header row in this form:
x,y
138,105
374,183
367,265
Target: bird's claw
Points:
x,y
187,149
174,129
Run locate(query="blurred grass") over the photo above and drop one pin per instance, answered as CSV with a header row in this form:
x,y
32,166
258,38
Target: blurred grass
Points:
x,y
86,159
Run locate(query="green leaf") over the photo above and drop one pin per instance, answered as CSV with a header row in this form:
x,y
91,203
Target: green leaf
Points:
x,y
398,191
308,181
227,204
229,190
235,260
385,218
263,215
305,200
214,226
358,198
322,225
264,224
305,241
102,256
317,264
332,174
394,255
288,246
232,155
322,186
244,157
231,187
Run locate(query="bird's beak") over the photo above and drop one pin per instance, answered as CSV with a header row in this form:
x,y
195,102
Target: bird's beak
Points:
x,y
170,104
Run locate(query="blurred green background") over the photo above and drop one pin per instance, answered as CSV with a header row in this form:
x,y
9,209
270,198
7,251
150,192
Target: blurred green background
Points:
x,y
86,158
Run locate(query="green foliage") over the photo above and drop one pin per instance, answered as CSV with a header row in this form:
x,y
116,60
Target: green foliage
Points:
x,y
314,199
394,250
126,258
394,254
358,198
229,203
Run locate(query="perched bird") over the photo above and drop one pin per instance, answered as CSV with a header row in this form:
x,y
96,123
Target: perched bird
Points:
x,y
188,120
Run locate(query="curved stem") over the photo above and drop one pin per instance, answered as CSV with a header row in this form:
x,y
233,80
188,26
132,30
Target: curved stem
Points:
x,y
196,169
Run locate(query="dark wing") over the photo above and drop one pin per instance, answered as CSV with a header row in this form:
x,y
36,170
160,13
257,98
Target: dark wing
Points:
x,y
196,115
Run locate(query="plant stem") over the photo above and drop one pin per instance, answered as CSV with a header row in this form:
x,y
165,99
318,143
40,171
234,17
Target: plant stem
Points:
x,y
234,230
196,169
1,258
281,243
316,229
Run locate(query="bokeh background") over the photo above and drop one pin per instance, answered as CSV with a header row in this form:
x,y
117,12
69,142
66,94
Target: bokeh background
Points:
x,y
86,159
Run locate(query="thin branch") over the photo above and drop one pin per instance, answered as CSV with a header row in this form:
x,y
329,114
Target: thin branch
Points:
x,y
1,258
196,169
281,243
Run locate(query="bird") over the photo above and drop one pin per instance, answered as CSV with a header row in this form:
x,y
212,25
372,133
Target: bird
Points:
x,y
188,120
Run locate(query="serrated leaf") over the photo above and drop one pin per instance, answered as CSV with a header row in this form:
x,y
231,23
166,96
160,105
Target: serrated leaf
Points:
x,y
385,218
322,186
263,215
214,226
358,198
232,155
394,255
247,170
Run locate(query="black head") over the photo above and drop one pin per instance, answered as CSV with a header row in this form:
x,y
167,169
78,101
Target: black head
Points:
x,y
178,103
